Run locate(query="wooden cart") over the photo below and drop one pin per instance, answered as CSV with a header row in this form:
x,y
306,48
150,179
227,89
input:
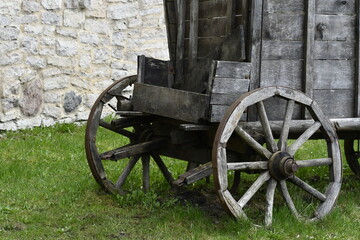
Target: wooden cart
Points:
x,y
243,78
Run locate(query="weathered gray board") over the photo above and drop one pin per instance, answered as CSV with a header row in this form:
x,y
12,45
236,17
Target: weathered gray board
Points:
x,y
171,103
229,81
311,46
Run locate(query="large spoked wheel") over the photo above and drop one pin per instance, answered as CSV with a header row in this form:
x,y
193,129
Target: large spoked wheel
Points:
x,y
352,154
309,187
114,145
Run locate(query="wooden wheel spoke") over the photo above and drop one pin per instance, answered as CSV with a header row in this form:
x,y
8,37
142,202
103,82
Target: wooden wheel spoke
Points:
x,y
126,171
270,193
254,188
303,138
145,159
270,141
163,168
307,188
286,125
286,195
253,143
130,150
262,165
120,131
314,162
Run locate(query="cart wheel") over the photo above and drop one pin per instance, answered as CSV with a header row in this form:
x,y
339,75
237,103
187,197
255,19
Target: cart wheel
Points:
x,y
111,161
352,154
306,195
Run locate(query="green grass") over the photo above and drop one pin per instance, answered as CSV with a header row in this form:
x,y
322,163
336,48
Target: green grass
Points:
x,y
48,192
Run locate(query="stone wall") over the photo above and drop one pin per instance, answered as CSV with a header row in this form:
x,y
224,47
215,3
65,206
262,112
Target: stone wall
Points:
x,y
57,55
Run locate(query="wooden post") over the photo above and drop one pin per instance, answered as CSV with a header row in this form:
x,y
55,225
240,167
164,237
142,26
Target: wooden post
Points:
x,y
194,26
181,8
255,48
244,22
230,15
357,68
309,49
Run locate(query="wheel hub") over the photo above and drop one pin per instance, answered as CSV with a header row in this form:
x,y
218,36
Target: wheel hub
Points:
x,y
282,166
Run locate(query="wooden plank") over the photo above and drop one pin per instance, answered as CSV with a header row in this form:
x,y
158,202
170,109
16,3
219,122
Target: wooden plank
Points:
x,y
332,50
213,27
225,98
334,74
309,47
336,103
357,66
228,69
335,27
180,6
217,112
287,27
212,9
282,73
193,41
230,85
255,48
285,6
172,103
170,20
336,7
153,71
230,16
281,50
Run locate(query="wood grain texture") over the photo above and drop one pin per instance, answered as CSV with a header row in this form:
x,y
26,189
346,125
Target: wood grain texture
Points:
x,y
172,103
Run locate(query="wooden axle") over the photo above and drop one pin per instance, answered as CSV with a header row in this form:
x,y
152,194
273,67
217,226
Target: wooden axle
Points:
x,y
299,126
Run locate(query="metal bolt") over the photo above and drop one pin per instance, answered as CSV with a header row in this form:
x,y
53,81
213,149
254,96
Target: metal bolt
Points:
x,y
343,2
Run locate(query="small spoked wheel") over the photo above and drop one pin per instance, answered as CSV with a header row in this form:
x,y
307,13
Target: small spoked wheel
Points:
x,y
114,145
352,154
308,186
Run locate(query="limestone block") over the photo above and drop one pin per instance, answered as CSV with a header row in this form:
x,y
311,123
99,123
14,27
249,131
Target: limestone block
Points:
x,y
97,26
10,8
73,18
89,38
4,20
30,44
80,83
10,103
31,6
28,122
120,25
33,29
51,71
52,111
85,60
46,122
9,46
52,97
10,59
123,10
90,99
32,99
71,101
8,126
8,33
55,83
101,55
51,4
61,61
66,48
67,32
118,53
36,62
51,18
11,87
119,74
119,39
49,30
10,115
25,19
